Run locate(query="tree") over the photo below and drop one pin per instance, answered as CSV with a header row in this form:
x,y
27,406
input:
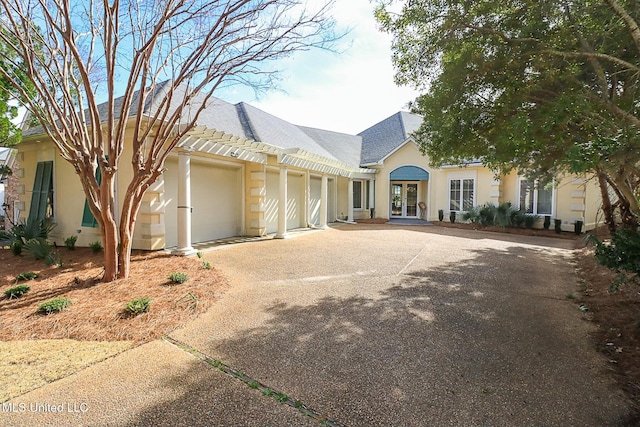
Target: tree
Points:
x,y
77,50
544,87
9,133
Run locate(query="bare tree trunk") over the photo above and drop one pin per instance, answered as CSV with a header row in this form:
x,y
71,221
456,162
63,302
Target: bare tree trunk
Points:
x,y
109,230
629,209
607,207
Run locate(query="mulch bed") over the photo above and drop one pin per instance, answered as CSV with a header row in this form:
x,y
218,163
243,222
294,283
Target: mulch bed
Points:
x,y
97,310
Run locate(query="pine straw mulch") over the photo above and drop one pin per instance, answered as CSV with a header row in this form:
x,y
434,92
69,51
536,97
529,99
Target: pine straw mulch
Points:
x,y
97,309
617,317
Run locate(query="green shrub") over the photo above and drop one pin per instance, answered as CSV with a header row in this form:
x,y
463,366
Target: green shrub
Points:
x,y
530,220
178,277
96,246
70,242
621,255
38,248
137,306
16,248
16,291
53,258
27,275
27,230
54,305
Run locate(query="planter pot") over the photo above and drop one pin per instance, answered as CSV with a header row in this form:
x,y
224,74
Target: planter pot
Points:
x,y
558,225
547,222
577,227
452,217
440,214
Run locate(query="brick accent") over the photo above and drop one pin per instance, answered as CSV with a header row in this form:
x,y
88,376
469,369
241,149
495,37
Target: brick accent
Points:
x,y
11,195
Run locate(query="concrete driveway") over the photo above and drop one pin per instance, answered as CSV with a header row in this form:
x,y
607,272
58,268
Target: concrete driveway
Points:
x,y
369,325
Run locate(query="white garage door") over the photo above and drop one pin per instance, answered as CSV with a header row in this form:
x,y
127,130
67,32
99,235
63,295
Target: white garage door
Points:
x,y
295,201
314,200
215,197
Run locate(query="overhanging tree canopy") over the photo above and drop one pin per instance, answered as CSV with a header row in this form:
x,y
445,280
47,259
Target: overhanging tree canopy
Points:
x,y
76,51
544,87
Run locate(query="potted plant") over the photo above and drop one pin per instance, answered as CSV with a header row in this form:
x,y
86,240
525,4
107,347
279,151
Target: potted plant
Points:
x,y
558,225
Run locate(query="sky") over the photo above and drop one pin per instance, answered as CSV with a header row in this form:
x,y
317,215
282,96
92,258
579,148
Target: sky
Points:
x,y
343,92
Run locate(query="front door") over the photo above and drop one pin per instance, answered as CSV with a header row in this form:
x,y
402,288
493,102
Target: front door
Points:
x,y
404,199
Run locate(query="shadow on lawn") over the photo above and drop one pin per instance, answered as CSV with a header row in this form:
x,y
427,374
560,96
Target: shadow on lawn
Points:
x,y
488,341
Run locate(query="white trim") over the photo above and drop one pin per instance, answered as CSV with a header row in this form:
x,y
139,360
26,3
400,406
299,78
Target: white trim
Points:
x,y
460,176
535,196
404,185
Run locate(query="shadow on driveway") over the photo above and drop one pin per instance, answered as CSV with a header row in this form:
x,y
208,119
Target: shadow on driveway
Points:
x,y
492,341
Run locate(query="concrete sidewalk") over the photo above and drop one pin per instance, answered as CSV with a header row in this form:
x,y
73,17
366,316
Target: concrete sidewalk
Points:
x,y
369,325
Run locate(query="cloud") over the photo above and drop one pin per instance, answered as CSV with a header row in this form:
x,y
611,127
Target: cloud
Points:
x,y
345,92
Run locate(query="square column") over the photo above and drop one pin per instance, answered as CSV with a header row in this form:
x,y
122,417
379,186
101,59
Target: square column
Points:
x,y
282,205
324,206
350,205
184,205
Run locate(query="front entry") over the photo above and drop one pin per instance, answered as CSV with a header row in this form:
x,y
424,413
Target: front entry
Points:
x,y
404,199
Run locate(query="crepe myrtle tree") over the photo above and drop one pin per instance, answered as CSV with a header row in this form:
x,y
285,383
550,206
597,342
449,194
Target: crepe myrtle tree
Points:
x,y
545,87
78,51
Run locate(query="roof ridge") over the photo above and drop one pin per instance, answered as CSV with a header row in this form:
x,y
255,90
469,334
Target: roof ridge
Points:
x,y
246,122
402,126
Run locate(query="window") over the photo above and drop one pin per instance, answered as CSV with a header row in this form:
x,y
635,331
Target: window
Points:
x,y
42,196
535,198
357,194
461,194
361,194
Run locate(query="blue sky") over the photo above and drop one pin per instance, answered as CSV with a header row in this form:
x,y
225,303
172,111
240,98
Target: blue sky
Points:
x,y
345,92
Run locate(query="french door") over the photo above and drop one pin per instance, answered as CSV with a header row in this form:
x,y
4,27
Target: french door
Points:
x,y
404,199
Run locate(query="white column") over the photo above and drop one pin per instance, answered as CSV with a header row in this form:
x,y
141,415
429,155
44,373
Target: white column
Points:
x,y
324,206
184,205
350,205
282,205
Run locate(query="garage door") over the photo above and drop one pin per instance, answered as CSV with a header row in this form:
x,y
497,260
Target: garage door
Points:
x,y
215,197
314,200
295,201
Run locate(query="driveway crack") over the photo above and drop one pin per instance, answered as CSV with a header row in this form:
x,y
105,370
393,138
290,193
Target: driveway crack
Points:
x,y
250,382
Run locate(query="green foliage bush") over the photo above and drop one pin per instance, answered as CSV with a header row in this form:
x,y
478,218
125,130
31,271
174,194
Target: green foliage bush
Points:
x,y
27,275
137,306
178,277
38,248
502,215
70,242
54,305
16,291
27,230
16,248
96,247
622,255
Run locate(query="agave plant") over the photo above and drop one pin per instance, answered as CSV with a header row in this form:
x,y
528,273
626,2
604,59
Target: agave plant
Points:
x,y
27,230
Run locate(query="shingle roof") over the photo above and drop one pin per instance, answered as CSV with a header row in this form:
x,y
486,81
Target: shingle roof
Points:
x,y
382,138
342,146
247,121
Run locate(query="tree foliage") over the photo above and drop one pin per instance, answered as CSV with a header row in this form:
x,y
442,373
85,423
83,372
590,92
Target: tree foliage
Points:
x,y
544,87
9,133
81,53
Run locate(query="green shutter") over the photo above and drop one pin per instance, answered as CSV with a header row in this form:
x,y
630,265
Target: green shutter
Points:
x,y
42,187
88,220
